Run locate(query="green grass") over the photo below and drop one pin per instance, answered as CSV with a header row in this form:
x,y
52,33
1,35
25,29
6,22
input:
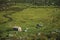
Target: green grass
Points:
x,y
30,17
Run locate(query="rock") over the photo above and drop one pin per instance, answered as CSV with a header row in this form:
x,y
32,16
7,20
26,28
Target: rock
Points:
x,y
39,25
11,35
26,29
38,33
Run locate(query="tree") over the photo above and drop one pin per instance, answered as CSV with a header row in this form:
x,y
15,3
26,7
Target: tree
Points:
x,y
4,4
57,2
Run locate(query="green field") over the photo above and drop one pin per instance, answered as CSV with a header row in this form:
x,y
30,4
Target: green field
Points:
x,y
30,17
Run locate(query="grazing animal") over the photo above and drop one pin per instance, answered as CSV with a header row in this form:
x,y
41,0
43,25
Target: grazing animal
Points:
x,y
16,28
19,29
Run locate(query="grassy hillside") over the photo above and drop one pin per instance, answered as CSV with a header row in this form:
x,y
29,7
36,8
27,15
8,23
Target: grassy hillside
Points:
x,y
30,17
